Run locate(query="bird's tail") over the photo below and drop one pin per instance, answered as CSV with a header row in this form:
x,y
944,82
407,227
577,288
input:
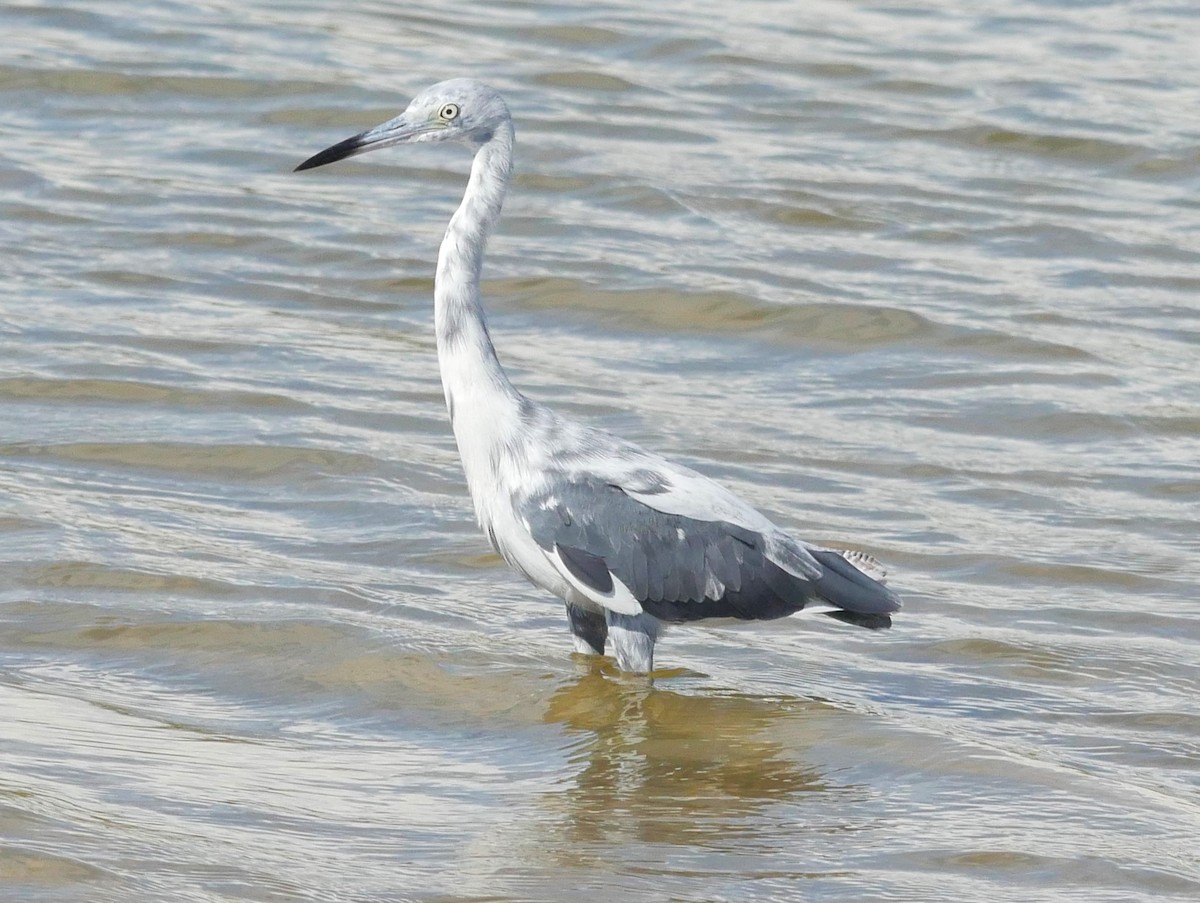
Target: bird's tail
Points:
x,y
861,598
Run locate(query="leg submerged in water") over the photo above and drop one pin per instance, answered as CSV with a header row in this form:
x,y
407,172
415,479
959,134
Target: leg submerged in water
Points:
x,y
588,630
633,638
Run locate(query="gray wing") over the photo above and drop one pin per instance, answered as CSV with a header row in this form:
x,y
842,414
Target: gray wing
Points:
x,y
681,568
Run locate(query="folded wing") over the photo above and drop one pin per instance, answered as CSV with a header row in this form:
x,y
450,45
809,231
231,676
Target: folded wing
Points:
x,y
623,553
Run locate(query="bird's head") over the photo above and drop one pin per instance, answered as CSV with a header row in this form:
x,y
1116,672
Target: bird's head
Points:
x,y
460,109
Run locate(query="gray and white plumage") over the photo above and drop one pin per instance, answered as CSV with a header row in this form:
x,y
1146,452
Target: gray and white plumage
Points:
x,y
627,539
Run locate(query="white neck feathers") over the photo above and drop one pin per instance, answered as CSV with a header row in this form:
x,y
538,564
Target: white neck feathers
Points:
x,y
484,406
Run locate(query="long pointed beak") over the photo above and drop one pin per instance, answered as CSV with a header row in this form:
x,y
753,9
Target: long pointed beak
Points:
x,y
394,131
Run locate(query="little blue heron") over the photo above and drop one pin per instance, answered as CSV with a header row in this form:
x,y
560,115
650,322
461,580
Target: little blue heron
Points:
x,y
627,539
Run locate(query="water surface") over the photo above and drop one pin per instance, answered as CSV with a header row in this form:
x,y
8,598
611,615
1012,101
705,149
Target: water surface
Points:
x,y
919,280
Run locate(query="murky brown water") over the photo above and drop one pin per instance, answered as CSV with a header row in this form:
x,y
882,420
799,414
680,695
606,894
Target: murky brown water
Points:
x,y
922,279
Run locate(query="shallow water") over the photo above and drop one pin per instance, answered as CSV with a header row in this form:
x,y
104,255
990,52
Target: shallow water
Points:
x,y
919,280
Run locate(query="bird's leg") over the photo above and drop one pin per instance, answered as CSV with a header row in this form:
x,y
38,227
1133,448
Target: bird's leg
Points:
x,y
633,639
588,630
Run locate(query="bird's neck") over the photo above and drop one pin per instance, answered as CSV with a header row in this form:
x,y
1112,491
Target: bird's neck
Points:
x,y
483,404
464,346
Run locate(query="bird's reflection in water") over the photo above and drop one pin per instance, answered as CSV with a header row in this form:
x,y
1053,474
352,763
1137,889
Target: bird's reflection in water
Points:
x,y
660,766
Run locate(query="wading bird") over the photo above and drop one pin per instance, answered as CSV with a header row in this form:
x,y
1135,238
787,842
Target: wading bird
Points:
x,y
627,539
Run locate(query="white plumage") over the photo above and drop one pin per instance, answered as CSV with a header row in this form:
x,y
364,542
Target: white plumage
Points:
x,y
626,538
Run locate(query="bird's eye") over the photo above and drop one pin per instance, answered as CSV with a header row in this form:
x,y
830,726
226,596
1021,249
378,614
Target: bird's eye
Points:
x,y
448,112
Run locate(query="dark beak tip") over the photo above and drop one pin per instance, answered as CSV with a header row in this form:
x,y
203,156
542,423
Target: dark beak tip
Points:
x,y
339,151
310,163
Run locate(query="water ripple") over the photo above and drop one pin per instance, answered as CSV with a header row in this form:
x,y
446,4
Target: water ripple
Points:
x,y
918,281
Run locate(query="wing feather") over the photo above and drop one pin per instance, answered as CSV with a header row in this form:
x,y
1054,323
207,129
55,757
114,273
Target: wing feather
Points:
x,y
682,568
590,569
